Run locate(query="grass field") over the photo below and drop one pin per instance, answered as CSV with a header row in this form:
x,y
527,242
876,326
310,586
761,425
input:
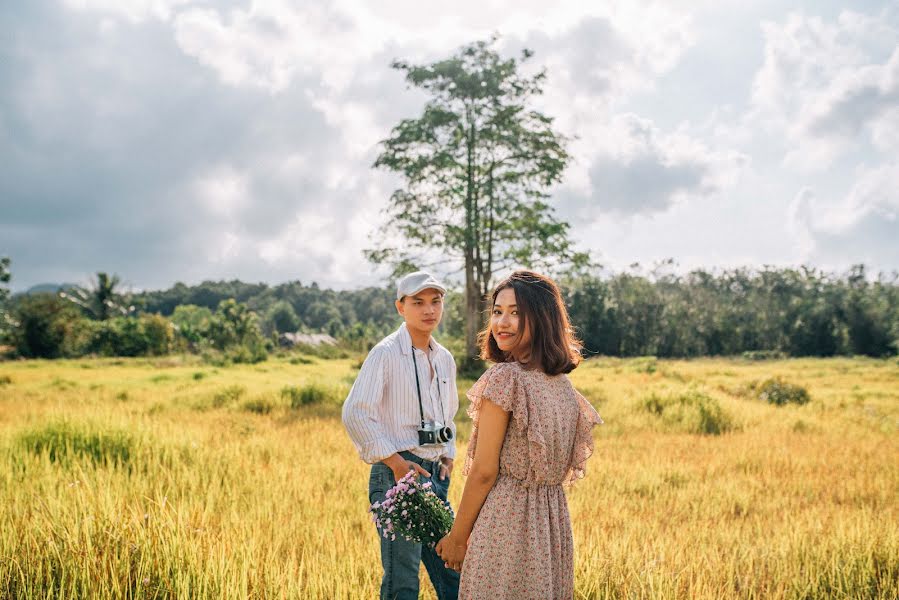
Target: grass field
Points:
x,y
167,478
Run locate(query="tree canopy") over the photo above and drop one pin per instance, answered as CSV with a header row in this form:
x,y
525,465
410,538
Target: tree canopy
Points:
x,y
477,166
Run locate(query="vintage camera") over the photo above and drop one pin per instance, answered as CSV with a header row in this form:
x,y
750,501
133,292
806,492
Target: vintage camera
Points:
x,y
433,432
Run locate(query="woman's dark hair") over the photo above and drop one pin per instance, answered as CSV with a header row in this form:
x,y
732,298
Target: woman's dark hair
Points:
x,y
554,347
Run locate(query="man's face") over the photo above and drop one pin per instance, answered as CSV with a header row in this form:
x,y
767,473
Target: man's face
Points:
x,y
423,310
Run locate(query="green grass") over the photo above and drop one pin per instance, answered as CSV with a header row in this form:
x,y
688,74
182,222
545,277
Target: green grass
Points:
x,y
138,479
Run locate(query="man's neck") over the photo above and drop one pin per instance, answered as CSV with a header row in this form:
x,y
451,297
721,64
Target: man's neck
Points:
x,y
420,339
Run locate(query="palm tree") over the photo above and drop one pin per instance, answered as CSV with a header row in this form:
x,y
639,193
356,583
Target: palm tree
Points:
x,y
102,300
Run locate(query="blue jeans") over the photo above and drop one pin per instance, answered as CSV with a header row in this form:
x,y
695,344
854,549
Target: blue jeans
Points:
x,y
401,558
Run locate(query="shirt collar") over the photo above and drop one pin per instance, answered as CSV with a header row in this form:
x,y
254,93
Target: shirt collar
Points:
x,y
406,340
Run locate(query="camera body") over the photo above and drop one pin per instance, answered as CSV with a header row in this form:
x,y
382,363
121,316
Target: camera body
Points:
x,y
434,432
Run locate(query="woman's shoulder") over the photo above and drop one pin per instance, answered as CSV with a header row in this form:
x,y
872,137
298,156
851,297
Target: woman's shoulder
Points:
x,y
502,371
505,367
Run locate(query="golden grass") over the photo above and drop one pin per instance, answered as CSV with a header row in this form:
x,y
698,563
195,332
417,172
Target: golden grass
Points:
x,y
220,498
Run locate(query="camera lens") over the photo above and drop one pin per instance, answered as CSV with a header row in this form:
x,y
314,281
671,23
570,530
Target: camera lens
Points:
x,y
446,434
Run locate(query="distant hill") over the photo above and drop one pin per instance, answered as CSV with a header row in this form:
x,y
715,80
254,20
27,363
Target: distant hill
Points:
x,y
48,287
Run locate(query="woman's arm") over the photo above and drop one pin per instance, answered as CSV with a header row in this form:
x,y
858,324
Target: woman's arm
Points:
x,y
492,424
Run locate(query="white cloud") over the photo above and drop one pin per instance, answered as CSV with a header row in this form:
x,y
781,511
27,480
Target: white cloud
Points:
x,y
636,168
223,191
862,227
134,11
826,84
885,132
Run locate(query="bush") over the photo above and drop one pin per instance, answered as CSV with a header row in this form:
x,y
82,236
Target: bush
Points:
x,y
252,353
763,355
261,405
5,380
159,334
42,324
63,442
281,318
691,411
323,351
147,335
227,395
312,393
644,364
778,392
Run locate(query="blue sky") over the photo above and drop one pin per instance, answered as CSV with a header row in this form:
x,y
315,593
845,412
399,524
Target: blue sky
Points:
x,y
181,140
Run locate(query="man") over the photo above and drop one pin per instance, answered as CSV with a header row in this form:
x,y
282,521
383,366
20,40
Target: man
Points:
x,y
399,415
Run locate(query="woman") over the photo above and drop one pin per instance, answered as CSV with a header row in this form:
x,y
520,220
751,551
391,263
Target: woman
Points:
x,y
531,434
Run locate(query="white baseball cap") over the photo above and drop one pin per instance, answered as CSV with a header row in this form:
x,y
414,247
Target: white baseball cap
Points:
x,y
411,284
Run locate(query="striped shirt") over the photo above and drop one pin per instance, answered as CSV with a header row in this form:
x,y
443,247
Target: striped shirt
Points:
x,y
381,414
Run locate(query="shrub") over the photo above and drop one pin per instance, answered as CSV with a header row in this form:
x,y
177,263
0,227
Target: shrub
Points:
x,y
691,411
5,380
323,351
763,355
250,353
261,405
63,442
147,335
227,395
778,392
312,393
159,334
644,364
43,322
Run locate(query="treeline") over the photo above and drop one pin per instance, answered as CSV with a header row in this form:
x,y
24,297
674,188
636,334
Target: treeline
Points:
x,y
290,306
228,321
795,312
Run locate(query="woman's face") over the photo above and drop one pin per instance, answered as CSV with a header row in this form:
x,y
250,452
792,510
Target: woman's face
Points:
x,y
505,325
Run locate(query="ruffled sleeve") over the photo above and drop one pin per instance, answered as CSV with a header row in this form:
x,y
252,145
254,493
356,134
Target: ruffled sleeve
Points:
x,y
500,384
583,447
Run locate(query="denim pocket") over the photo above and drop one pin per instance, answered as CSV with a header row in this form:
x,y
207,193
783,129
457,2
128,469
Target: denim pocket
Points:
x,y
441,487
379,482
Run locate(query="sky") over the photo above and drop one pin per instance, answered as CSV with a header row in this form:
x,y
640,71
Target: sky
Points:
x,y
184,140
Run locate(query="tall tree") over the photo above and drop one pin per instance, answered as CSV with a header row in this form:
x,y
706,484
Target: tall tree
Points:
x,y
476,168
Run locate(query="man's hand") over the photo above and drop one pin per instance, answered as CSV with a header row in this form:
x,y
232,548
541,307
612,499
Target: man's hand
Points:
x,y
446,467
452,552
400,466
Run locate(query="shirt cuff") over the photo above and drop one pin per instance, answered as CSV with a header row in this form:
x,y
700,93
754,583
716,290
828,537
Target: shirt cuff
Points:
x,y
376,451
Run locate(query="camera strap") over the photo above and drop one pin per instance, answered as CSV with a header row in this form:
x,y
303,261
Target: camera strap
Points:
x,y
421,410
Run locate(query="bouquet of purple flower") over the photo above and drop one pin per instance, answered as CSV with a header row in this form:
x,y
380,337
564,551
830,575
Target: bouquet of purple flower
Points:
x,y
414,511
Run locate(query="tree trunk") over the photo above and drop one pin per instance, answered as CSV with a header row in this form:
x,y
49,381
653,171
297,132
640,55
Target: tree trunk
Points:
x,y
472,314
471,283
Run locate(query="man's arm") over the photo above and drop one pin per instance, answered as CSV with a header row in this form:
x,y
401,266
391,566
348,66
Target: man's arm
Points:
x,y
362,418
362,410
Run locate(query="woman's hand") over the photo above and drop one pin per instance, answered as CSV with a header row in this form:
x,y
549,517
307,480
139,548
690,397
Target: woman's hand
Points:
x,y
452,552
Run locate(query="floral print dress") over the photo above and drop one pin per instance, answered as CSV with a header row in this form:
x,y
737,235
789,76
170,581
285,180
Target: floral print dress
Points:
x,y
521,546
